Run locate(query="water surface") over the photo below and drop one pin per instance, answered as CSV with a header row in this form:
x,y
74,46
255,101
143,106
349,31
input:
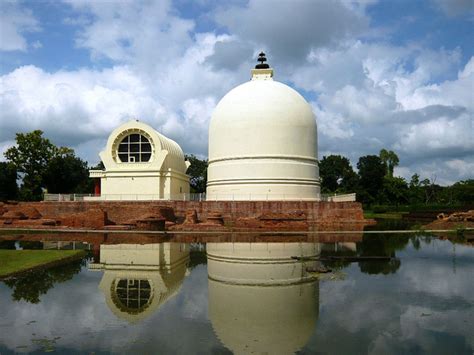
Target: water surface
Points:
x,y
254,295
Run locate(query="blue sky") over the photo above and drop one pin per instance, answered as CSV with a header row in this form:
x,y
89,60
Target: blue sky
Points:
x,y
378,74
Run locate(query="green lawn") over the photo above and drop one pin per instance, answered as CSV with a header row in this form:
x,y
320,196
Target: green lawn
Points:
x,y
13,261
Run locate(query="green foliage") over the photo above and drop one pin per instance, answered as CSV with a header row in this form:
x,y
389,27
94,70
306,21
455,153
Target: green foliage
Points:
x,y
420,207
198,173
41,164
416,191
390,160
337,175
376,186
99,166
463,191
8,186
394,190
66,174
30,157
371,173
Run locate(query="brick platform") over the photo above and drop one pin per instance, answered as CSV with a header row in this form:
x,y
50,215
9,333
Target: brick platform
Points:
x,y
236,215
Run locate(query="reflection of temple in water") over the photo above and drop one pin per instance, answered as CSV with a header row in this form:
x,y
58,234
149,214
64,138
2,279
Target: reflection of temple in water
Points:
x,y
66,245
262,299
139,278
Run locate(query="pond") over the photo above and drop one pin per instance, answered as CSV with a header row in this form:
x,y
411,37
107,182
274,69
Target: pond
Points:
x,y
251,294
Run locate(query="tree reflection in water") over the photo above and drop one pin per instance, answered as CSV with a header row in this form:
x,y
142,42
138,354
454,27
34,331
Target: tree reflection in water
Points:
x,y
381,245
371,245
32,285
7,244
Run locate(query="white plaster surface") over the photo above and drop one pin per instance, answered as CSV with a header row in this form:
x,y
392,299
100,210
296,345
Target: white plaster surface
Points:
x,y
162,177
263,144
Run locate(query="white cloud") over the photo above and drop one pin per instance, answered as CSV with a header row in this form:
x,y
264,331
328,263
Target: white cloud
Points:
x,y
73,107
146,34
457,92
80,108
331,124
367,95
373,96
461,167
15,21
440,133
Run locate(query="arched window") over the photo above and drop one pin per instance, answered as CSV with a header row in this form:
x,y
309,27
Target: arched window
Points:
x,y
131,295
134,148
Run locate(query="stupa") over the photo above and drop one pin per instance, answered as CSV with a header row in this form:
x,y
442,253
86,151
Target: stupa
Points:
x,y
263,143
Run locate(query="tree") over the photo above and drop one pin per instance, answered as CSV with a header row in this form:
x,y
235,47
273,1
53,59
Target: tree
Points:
x,y
67,173
42,164
430,189
30,157
394,191
371,172
337,174
415,190
390,160
8,186
463,191
198,173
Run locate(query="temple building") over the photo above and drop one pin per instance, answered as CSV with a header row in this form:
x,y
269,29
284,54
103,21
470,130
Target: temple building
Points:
x,y
262,146
263,143
141,164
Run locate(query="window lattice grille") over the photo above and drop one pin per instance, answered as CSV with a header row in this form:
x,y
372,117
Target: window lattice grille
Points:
x,y
134,148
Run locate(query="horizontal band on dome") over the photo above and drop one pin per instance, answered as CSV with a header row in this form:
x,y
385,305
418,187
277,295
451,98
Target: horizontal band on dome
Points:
x,y
309,279
279,157
253,260
248,181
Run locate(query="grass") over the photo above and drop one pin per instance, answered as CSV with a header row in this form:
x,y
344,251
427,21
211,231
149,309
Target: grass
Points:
x,y
418,208
15,261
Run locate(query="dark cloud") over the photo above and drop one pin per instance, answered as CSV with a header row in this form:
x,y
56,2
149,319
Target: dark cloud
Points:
x,y
230,55
290,29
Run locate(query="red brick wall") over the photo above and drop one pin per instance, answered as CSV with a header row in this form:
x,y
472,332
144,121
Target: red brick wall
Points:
x,y
123,211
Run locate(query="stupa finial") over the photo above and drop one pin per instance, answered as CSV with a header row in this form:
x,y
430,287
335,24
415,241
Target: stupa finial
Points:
x,y
262,59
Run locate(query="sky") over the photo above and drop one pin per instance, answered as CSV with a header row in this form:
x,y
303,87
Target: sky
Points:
x,y
380,74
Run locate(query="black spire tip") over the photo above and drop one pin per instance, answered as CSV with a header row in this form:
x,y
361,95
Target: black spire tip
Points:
x,y
262,59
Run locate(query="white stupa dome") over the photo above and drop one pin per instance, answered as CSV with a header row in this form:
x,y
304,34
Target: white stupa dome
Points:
x,y
263,143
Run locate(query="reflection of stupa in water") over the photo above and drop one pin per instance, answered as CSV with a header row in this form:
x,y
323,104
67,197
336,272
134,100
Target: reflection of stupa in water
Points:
x,y
138,278
261,300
